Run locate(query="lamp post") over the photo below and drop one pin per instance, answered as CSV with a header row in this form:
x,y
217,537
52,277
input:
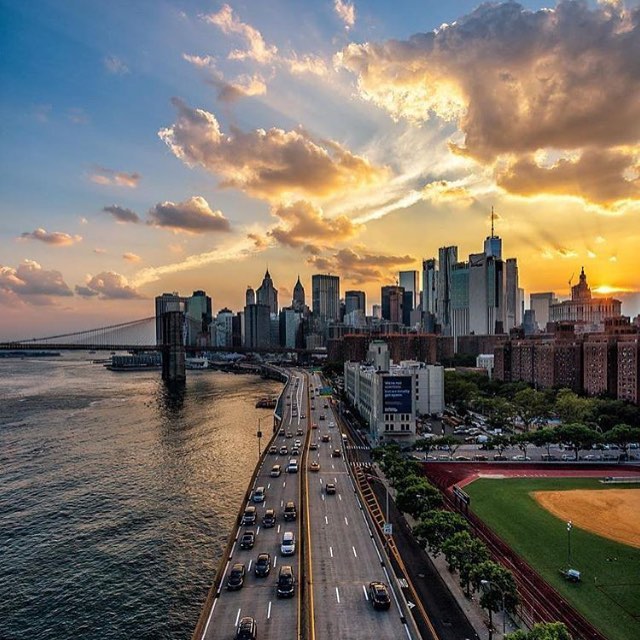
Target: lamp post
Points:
x,y
569,527
493,585
259,434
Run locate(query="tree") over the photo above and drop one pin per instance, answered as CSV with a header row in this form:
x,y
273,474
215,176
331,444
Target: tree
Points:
x,y
522,441
544,438
448,441
577,437
416,495
494,582
424,444
542,631
464,552
459,390
571,408
500,443
501,414
622,435
438,526
531,407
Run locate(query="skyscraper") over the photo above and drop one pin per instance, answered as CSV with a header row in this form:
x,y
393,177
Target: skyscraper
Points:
x,y
354,300
409,282
448,256
249,297
392,303
429,294
297,302
198,315
541,303
166,302
257,326
267,294
486,294
459,300
511,295
493,243
325,293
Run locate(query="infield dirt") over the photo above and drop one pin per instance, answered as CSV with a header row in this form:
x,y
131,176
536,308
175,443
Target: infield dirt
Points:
x,y
613,514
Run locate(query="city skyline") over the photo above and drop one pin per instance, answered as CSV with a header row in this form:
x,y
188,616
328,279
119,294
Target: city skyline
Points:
x,y
192,146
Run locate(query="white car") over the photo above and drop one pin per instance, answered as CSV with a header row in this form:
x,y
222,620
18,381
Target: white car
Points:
x,y
288,546
521,458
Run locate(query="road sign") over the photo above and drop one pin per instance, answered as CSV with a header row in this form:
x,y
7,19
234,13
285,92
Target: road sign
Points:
x,y
387,529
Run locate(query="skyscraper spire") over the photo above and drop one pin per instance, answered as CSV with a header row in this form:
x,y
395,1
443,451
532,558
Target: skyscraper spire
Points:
x,y
493,235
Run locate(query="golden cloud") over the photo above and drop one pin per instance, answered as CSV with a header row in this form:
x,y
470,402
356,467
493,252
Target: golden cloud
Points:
x,y
56,238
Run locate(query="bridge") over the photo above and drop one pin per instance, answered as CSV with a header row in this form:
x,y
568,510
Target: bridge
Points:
x,y
137,336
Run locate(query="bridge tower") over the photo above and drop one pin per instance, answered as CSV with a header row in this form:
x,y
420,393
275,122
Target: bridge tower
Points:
x,y
173,351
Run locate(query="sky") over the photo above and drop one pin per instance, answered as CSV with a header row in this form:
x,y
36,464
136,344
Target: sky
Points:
x,y
156,146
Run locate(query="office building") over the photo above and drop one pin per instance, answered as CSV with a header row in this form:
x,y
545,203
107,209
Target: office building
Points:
x,y
166,302
392,303
198,318
290,327
267,294
512,296
459,301
298,301
493,243
222,329
447,257
257,326
354,300
486,294
408,280
541,303
376,311
325,293
429,294
249,297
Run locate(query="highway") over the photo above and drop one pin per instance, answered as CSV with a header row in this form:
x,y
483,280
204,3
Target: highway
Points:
x,y
275,617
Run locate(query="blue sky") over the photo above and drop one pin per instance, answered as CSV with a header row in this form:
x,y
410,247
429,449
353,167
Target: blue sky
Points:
x,y
306,139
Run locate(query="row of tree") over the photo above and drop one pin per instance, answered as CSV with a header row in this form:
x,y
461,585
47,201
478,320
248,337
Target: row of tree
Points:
x,y
509,403
446,532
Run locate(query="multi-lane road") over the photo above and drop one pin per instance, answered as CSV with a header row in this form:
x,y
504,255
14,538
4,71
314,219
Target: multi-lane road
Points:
x,y
336,556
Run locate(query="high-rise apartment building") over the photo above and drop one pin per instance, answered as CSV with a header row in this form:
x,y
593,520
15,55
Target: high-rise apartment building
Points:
x,y
325,293
409,281
392,303
447,257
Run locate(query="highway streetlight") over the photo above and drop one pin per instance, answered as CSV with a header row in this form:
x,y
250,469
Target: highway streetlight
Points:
x,y
259,434
493,585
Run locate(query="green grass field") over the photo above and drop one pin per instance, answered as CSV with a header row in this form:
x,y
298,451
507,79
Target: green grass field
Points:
x,y
609,593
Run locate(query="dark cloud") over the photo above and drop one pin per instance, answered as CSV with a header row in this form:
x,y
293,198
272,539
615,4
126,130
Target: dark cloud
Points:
x,y
122,214
109,285
30,279
56,238
193,215
270,163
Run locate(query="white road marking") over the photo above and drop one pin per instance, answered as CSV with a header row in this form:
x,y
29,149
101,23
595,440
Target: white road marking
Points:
x,y
346,521
323,496
269,610
206,626
338,595
251,562
326,520
269,485
331,551
354,553
284,484
366,595
232,550
278,530
275,561
258,530
237,617
320,480
340,496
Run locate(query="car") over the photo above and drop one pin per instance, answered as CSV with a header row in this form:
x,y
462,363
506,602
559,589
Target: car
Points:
x,y
299,432
303,416
292,467
322,417
295,451
248,540
331,424
262,567
521,458
314,466
273,450
276,470
284,450
236,577
297,443
290,511
463,458
480,458
314,425
289,434
269,518
313,406
286,587
258,494
568,457
592,456
249,516
325,437
313,446
336,453
247,629
326,406
548,457
499,457
288,546
379,595
330,488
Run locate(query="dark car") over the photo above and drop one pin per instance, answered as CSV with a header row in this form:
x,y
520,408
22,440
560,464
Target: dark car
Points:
x,y
379,595
248,540
330,488
235,580
269,518
247,629
290,511
336,453
286,582
326,437
262,566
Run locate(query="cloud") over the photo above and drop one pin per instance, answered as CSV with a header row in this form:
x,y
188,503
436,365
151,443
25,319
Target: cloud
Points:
x,y
56,238
229,23
115,65
228,91
361,267
565,78
30,279
131,257
346,12
109,177
193,215
122,214
303,223
443,191
77,115
100,251
306,64
109,285
268,164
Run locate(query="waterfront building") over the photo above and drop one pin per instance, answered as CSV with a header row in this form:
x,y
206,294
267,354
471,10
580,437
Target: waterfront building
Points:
x,y
392,303
587,312
267,294
409,281
390,401
198,316
447,257
222,329
325,293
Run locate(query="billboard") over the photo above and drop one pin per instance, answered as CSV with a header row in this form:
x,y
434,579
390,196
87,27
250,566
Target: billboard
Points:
x,y
396,394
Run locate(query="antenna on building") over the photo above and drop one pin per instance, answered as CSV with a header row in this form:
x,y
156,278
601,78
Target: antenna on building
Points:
x,y
493,215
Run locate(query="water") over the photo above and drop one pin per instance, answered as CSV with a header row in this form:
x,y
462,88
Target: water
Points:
x,y
116,497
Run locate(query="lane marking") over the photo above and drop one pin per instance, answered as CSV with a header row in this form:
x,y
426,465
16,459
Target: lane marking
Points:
x,y
323,496
354,553
278,530
275,561
282,503
340,496
338,595
346,521
251,562
258,530
269,610
331,551
284,484
366,595
269,485
326,520
238,617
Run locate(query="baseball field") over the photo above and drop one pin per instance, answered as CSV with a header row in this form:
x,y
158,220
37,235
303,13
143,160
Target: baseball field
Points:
x,y
531,515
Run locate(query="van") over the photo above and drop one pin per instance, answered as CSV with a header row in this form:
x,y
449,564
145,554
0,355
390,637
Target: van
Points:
x,y
286,582
288,546
292,467
258,494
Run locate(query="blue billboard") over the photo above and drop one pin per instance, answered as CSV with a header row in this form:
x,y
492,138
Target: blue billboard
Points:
x,y
396,394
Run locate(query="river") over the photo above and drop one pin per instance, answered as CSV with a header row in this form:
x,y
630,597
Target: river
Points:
x,y
116,497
